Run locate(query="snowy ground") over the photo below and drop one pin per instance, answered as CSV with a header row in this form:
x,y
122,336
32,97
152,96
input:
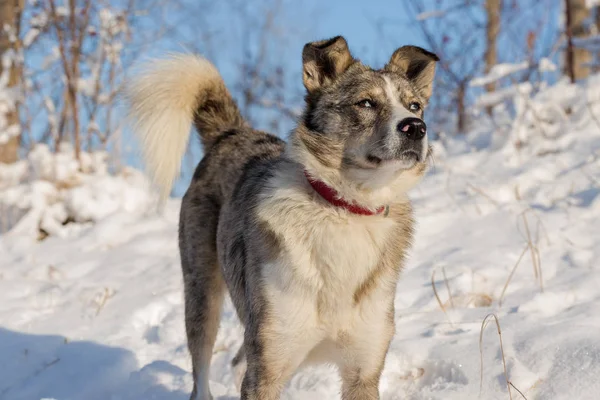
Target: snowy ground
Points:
x,y
96,311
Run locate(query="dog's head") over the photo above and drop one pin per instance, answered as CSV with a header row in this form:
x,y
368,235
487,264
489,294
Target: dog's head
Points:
x,y
362,130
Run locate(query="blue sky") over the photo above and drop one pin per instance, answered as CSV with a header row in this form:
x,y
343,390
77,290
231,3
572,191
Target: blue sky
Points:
x,y
374,29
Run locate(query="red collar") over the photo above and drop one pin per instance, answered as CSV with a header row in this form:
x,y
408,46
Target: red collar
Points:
x,y
333,197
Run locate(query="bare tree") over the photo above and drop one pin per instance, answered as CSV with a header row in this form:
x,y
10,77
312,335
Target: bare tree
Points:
x,y
577,58
493,10
266,87
450,33
263,85
70,40
77,52
10,71
471,37
596,67
85,47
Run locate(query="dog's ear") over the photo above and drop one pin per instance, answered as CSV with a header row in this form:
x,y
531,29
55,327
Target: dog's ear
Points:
x,y
417,64
323,61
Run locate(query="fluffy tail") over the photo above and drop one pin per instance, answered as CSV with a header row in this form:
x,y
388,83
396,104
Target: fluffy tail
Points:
x,y
165,98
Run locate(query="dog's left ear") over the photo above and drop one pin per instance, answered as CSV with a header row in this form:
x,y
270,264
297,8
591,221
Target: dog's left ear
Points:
x,y
324,61
417,64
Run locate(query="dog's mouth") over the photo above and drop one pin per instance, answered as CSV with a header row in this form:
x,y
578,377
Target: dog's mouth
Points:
x,y
374,160
407,157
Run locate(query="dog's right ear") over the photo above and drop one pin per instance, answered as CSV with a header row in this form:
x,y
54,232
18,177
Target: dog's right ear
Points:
x,y
417,64
323,61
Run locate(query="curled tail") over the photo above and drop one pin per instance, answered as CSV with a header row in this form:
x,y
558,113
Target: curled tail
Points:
x,y
165,98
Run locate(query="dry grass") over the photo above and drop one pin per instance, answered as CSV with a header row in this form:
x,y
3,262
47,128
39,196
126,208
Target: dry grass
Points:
x,y
449,192
509,384
412,375
450,299
484,194
103,298
511,275
462,300
514,387
533,250
437,296
531,246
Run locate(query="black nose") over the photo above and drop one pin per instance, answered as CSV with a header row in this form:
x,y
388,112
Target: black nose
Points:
x,y
413,128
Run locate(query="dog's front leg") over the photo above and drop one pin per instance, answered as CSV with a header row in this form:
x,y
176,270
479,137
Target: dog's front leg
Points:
x,y
276,342
364,351
270,364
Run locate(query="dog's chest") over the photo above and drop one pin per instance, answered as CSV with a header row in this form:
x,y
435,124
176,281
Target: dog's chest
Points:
x,y
342,254
325,258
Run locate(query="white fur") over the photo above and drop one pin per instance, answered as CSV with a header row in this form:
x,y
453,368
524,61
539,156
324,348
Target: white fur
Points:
x,y
162,100
371,188
311,287
385,174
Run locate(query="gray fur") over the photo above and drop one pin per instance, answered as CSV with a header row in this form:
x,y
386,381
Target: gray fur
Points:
x,y
223,242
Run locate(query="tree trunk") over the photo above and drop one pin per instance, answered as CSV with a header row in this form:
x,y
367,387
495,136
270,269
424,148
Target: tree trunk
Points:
x,y
576,13
493,9
597,21
461,122
10,15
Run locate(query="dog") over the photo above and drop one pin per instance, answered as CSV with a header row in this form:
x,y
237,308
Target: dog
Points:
x,y
309,236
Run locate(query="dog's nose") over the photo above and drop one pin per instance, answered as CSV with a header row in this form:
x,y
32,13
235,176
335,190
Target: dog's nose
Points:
x,y
413,128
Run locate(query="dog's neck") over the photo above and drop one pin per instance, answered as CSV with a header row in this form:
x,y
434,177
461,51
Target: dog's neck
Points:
x,y
334,198
369,197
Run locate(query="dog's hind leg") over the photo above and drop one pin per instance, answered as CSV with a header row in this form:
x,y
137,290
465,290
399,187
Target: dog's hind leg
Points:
x,y
204,287
239,365
204,299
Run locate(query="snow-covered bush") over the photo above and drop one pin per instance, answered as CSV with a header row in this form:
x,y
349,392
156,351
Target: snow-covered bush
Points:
x,y
532,119
44,193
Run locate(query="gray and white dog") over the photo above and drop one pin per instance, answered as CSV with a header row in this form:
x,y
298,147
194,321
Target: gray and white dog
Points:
x,y
308,237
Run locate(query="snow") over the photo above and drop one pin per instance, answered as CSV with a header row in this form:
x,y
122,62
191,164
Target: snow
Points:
x,y
498,72
592,3
50,189
95,311
87,86
30,36
502,94
546,65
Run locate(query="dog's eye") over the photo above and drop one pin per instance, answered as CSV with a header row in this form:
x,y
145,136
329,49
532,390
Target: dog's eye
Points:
x,y
366,103
414,107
